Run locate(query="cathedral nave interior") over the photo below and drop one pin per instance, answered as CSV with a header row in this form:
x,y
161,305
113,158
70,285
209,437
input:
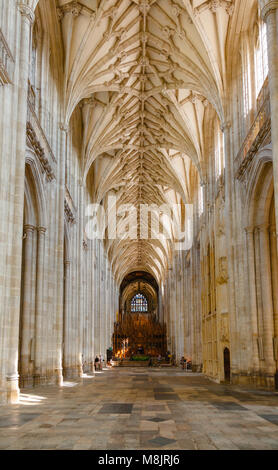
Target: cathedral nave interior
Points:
x,y
130,106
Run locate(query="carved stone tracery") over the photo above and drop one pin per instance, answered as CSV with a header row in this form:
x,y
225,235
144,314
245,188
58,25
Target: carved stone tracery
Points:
x,y
6,62
34,144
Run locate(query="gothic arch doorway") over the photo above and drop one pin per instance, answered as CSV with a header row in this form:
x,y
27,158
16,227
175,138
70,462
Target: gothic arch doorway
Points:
x,y
227,365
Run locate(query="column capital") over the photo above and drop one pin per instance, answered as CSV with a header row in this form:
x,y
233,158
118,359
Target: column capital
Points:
x,y
272,230
250,230
12,377
74,8
225,126
89,102
26,12
64,127
267,7
41,230
29,228
262,227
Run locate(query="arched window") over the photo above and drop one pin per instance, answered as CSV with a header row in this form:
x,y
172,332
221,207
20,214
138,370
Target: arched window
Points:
x,y
139,303
201,199
261,57
246,77
219,150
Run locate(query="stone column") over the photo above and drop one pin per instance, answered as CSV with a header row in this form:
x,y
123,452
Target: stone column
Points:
x,y
235,332
40,337
15,214
102,326
267,302
269,15
169,316
179,308
253,296
82,253
97,268
66,323
274,267
106,311
108,306
176,307
25,324
60,206
92,309
169,311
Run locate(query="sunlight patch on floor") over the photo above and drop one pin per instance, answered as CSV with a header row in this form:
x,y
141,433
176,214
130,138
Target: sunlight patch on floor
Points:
x,y
69,384
27,399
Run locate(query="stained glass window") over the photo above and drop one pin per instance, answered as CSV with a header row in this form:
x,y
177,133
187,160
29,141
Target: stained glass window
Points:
x,y
139,303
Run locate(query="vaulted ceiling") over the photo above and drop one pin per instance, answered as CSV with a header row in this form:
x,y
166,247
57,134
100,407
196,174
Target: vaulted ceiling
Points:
x,y
146,75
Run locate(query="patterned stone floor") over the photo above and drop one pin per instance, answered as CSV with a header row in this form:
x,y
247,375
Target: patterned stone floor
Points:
x,y
141,409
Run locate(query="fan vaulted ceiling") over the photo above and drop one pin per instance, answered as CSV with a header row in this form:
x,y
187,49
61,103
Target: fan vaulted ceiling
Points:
x,y
144,74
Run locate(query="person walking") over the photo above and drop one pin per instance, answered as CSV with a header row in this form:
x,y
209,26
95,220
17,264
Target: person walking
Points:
x,y
96,363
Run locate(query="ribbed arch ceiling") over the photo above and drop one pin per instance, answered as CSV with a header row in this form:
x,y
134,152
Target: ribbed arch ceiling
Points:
x,y
144,74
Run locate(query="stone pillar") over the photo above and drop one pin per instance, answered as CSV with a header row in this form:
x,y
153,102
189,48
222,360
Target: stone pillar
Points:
x,y
106,311
170,309
82,254
40,337
25,324
102,329
235,331
267,303
60,257
97,267
169,312
108,306
253,296
269,15
92,304
274,267
66,323
16,201
179,308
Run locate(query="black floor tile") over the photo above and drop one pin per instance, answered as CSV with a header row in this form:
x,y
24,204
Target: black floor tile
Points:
x,y
157,420
166,396
271,418
116,408
228,406
161,441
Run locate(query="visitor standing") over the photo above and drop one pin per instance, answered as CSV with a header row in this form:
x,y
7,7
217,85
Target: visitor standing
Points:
x,y
159,360
182,362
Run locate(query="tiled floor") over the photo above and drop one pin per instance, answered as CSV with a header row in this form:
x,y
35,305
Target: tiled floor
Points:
x,y
141,409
